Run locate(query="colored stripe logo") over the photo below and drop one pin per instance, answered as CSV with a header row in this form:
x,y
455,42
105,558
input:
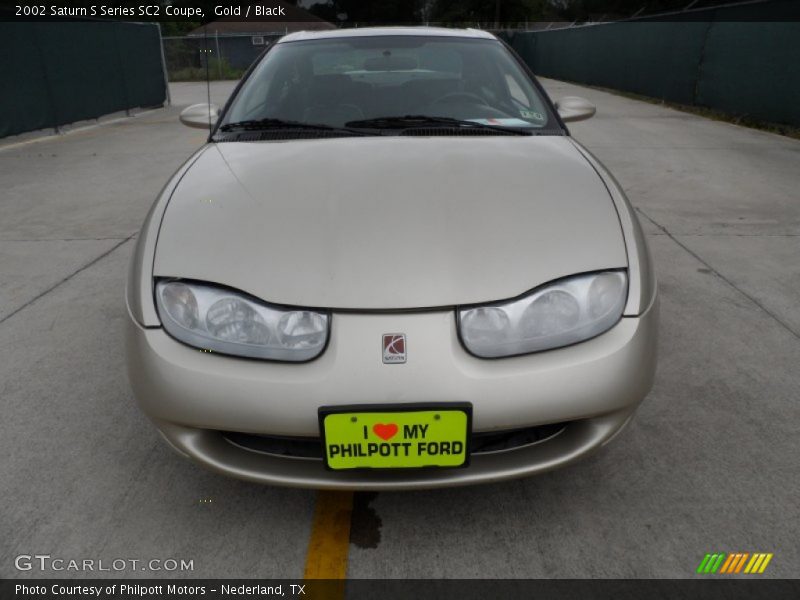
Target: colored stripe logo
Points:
x,y
734,562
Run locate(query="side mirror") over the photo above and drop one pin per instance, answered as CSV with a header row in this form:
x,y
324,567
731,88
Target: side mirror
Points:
x,y
573,108
200,116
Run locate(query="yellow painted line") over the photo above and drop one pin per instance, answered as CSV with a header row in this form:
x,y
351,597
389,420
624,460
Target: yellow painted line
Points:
x,y
329,545
765,563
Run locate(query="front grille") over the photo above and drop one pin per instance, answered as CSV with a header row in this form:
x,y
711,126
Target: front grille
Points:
x,y
294,447
311,447
497,441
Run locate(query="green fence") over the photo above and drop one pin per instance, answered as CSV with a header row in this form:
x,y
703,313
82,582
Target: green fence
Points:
x,y
743,60
62,72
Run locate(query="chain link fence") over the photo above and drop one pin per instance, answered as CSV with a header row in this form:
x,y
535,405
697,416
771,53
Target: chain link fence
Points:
x,y
193,58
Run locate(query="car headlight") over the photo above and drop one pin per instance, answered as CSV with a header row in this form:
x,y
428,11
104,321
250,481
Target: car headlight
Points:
x,y
558,314
228,322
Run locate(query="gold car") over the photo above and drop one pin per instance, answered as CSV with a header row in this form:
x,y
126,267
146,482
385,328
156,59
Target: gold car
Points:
x,y
390,267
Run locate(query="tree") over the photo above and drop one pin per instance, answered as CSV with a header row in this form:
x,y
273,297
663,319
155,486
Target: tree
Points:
x,y
374,11
489,11
583,10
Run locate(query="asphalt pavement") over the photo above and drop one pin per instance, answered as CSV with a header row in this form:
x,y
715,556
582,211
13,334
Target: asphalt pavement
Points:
x,y
710,463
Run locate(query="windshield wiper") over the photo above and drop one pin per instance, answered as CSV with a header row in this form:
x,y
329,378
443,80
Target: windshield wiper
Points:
x,y
414,121
270,123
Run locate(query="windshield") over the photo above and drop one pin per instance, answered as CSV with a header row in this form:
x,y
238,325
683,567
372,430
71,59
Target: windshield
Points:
x,y
350,81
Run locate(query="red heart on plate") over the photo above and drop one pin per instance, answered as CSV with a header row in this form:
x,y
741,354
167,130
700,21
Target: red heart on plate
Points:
x,y
385,432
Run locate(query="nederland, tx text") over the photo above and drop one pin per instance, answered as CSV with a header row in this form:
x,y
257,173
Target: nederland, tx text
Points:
x,y
157,590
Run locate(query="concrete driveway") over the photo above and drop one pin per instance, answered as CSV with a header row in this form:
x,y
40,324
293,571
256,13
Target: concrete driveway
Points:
x,y
711,463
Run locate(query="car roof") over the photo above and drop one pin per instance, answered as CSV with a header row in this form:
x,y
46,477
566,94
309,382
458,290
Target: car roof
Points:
x,y
382,31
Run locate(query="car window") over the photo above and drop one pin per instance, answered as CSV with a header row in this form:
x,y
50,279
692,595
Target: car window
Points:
x,y
516,91
336,81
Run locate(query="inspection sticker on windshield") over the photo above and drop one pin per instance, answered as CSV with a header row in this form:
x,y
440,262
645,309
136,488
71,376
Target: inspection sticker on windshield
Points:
x,y
502,122
530,114
396,436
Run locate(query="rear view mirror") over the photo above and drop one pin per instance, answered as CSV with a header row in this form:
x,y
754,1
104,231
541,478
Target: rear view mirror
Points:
x,y
200,116
573,108
390,63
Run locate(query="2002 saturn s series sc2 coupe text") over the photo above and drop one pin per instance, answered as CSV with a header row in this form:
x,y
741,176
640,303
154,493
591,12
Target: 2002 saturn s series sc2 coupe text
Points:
x,y
390,267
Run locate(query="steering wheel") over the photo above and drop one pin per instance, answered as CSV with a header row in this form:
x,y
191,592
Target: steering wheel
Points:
x,y
454,96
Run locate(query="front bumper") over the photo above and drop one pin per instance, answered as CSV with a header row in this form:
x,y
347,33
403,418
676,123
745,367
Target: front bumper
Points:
x,y
193,397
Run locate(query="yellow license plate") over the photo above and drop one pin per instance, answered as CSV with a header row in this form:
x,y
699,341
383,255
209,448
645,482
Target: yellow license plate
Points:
x,y
396,436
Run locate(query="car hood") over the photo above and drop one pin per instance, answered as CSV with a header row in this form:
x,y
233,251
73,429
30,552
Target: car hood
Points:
x,y
389,222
